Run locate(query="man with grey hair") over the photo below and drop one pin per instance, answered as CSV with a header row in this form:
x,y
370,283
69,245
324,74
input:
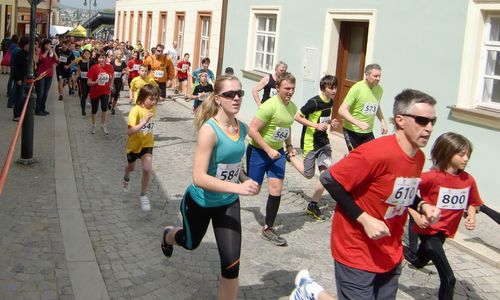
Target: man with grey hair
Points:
x,y
372,202
360,106
268,84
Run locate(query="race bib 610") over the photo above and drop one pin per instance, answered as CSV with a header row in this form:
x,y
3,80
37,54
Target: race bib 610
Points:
x,y
404,191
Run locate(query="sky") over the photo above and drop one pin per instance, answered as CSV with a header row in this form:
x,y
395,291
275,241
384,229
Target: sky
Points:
x,y
101,4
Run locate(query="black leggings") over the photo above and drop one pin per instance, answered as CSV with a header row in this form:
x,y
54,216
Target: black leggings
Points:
x,y
227,228
84,91
431,248
117,87
104,99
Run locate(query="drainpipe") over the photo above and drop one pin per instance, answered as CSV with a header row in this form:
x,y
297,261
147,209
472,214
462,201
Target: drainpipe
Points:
x,y
220,59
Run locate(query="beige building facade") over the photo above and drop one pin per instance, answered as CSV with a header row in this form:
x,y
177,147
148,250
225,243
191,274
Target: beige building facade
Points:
x,y
195,25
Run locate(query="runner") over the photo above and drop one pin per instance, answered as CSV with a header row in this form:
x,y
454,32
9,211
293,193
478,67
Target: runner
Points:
x,y
63,69
120,69
161,69
373,186
217,184
268,84
449,187
183,70
315,116
73,85
133,65
138,82
270,127
140,141
99,79
201,91
205,63
83,68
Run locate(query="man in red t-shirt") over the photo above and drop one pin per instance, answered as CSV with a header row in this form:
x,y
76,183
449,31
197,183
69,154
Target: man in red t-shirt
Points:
x,y
100,76
373,187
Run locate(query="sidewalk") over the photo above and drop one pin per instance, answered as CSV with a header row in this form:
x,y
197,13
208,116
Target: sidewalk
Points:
x,y
39,260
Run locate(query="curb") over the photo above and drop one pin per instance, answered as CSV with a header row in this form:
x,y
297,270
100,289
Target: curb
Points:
x,y
476,249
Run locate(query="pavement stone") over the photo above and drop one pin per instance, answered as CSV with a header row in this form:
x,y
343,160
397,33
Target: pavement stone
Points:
x,y
126,240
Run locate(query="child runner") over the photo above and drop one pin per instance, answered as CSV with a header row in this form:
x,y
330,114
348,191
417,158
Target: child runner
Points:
x,y
140,141
183,68
217,184
315,116
201,90
99,77
120,69
138,82
270,127
453,190
83,68
133,65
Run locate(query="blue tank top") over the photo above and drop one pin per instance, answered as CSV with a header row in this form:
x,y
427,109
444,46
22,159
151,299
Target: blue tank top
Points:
x,y
224,164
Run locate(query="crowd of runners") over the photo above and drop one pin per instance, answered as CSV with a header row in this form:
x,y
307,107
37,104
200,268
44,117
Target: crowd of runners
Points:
x,y
375,187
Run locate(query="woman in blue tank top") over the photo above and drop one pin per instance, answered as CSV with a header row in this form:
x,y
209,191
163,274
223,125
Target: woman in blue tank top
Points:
x,y
217,183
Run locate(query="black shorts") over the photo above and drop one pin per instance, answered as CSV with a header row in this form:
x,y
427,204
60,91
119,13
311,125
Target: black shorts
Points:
x,y
104,99
131,157
63,74
163,89
354,139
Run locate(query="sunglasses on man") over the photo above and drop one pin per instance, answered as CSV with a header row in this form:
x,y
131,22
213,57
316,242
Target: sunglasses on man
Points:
x,y
422,121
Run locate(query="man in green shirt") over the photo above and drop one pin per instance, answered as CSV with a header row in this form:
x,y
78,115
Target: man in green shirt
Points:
x,y
360,106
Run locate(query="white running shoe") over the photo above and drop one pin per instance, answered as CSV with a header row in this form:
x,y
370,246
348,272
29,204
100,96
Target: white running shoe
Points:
x,y
302,279
126,186
145,206
105,129
93,129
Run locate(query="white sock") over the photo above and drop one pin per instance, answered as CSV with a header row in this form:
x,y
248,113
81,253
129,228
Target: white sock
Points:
x,y
314,289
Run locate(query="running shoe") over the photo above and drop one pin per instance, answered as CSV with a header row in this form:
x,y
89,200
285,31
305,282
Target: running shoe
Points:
x,y
270,234
93,129
145,206
112,111
314,211
302,279
126,185
105,129
166,248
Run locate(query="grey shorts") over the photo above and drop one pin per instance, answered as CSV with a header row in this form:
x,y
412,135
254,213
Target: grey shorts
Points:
x,y
322,155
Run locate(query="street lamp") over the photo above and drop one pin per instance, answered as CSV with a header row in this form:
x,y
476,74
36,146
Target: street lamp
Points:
x,y
90,7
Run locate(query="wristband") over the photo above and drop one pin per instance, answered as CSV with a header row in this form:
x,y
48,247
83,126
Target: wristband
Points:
x,y
420,206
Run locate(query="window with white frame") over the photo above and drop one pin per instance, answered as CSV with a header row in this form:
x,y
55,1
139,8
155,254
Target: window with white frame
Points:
x,y
490,75
265,42
180,34
204,37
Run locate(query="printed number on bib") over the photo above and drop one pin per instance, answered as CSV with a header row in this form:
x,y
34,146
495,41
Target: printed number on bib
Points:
x,y
324,120
370,109
404,191
118,74
228,172
158,74
63,59
281,134
102,78
83,75
136,67
148,127
455,199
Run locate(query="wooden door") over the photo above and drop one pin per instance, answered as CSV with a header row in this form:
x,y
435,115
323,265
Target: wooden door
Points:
x,y
350,60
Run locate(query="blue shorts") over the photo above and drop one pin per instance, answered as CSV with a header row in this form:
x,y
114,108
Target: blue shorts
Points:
x,y
259,163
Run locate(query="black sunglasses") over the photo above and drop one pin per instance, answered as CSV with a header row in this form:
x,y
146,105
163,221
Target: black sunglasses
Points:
x,y
423,121
232,94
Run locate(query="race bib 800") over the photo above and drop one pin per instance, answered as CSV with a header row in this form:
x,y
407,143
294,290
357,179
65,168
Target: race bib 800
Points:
x,y
455,199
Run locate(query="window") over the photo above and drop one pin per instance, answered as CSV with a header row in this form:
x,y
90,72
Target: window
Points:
x,y
479,88
162,29
139,29
204,37
179,32
147,37
131,26
262,41
118,23
265,41
490,75
124,17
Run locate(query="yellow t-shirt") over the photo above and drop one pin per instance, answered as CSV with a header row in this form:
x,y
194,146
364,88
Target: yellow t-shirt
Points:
x,y
137,83
145,136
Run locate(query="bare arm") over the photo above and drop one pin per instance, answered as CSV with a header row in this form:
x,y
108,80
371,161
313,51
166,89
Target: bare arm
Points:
x,y
319,126
254,132
383,124
344,112
257,88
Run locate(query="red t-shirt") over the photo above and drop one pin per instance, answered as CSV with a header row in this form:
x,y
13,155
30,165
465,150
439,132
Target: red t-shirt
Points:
x,y
134,66
46,64
183,65
383,181
452,194
103,76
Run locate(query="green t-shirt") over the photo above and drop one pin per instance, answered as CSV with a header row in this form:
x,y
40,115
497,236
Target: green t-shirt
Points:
x,y
278,119
363,104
